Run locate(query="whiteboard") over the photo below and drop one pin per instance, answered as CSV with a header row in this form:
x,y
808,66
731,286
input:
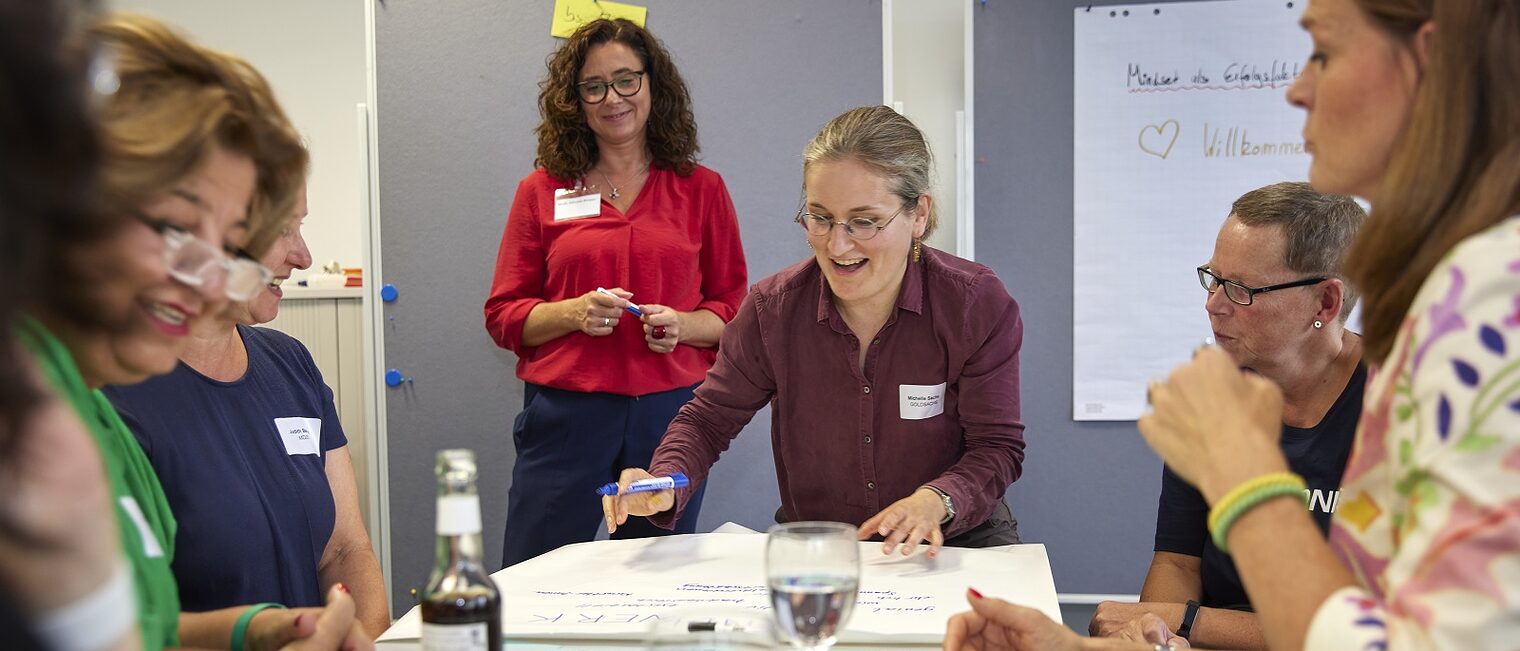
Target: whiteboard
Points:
x,y
1178,110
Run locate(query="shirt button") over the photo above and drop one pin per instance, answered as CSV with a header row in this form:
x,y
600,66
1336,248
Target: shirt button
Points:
x,y
868,440
871,485
866,389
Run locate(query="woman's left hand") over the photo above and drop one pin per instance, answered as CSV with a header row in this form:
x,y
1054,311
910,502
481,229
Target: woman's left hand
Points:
x,y
996,625
909,521
1214,424
662,327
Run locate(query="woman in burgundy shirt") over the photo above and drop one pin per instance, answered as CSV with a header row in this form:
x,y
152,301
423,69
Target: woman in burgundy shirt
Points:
x,y
892,369
617,203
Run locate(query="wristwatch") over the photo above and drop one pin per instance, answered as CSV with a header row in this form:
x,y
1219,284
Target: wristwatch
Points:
x,y
949,505
1189,616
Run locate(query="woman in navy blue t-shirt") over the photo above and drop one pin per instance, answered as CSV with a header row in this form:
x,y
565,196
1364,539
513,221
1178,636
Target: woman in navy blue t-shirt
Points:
x,y
246,441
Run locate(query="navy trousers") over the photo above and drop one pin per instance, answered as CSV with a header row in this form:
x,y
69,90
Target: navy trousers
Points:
x,y
569,444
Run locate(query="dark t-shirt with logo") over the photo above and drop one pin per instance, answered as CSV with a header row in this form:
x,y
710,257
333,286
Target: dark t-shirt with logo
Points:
x,y
1318,454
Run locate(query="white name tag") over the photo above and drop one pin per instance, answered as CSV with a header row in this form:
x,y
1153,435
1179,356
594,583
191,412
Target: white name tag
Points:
x,y
300,435
920,401
151,548
571,204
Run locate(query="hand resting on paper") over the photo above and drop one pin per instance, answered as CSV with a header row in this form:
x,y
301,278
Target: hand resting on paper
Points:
x,y
617,508
909,521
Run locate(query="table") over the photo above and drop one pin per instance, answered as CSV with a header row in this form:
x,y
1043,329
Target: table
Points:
x,y
606,594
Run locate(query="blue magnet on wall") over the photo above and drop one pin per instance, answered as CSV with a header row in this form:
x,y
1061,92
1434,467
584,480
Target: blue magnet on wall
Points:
x,y
388,293
394,378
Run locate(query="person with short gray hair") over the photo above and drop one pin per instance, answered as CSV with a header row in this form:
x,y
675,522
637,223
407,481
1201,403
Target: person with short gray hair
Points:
x,y
1278,305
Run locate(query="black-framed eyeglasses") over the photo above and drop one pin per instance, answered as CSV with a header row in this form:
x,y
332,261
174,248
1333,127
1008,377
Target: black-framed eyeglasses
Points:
x,y
858,228
625,85
1241,294
199,264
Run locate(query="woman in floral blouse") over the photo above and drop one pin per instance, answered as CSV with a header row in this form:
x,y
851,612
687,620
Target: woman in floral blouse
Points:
x,y
1415,105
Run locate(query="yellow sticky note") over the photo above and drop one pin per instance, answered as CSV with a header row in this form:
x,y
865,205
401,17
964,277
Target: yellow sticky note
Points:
x,y
569,15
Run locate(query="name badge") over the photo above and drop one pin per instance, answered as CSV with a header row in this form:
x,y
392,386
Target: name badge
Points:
x,y
920,401
151,547
576,204
300,435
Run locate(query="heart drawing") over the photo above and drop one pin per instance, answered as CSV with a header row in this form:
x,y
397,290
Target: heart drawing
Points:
x,y
1157,139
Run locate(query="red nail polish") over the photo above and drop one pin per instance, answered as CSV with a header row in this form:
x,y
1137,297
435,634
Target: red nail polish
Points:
x,y
342,587
974,593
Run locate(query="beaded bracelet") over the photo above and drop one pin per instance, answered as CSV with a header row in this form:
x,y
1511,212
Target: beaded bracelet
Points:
x,y
1248,495
240,629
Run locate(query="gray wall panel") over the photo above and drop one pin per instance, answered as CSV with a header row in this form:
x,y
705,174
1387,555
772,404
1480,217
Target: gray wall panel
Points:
x,y
457,84
1089,489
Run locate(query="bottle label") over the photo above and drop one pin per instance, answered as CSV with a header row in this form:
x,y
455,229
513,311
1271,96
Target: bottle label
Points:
x,y
458,515
455,637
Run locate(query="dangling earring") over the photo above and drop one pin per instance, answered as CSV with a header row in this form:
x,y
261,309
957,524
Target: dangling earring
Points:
x,y
1317,324
918,250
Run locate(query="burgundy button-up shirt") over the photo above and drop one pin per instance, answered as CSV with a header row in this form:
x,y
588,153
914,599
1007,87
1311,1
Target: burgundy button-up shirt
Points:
x,y
938,403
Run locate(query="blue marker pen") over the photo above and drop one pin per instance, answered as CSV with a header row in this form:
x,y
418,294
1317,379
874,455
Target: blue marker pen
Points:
x,y
632,309
675,480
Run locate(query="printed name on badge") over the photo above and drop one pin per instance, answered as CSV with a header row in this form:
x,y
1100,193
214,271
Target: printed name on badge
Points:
x,y
920,401
574,204
300,435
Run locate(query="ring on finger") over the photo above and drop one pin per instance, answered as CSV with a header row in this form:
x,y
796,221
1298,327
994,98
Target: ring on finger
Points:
x,y
657,332
606,322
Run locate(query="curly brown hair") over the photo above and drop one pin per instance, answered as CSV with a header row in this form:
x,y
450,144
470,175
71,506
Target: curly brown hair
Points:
x,y
566,146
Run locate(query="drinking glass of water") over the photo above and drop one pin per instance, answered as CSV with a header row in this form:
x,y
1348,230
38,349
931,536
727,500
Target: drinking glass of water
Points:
x,y
813,569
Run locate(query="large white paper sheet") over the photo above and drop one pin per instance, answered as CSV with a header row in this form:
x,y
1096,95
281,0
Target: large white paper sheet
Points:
x,y
617,589
1179,109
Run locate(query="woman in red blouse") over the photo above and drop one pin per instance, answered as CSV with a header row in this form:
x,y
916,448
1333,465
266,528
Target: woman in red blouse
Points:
x,y
618,203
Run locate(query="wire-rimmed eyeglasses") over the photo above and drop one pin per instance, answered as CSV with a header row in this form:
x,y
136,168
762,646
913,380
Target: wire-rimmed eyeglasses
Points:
x,y
858,228
625,85
1241,294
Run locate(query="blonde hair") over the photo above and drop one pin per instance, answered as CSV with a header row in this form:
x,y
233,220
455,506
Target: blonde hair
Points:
x,y
175,101
885,141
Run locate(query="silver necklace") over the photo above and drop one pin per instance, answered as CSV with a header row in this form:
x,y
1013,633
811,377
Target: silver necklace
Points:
x,y
615,193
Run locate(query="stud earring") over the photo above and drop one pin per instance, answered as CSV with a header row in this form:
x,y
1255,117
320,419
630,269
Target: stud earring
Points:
x,y
1317,324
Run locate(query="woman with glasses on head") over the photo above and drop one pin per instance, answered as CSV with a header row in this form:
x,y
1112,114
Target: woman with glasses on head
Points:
x,y
201,167
892,369
243,434
1277,305
618,268
1411,104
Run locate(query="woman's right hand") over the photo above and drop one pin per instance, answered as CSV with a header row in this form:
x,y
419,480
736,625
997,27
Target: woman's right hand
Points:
x,y
597,314
617,508
329,628
332,628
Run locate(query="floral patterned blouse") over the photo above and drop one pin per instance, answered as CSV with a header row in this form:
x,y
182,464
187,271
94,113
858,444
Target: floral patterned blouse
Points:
x,y
1429,513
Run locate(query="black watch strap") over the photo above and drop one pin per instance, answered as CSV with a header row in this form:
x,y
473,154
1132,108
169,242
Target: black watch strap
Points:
x,y
1189,617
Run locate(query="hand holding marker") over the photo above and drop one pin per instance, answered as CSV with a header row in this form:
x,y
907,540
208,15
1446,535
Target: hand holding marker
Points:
x,y
658,332
675,480
632,309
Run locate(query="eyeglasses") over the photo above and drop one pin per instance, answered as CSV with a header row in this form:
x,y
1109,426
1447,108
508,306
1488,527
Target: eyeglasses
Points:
x,y
595,91
859,228
197,263
1242,294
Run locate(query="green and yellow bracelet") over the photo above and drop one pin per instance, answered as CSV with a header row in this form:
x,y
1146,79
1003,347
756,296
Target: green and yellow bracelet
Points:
x,y
1248,495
